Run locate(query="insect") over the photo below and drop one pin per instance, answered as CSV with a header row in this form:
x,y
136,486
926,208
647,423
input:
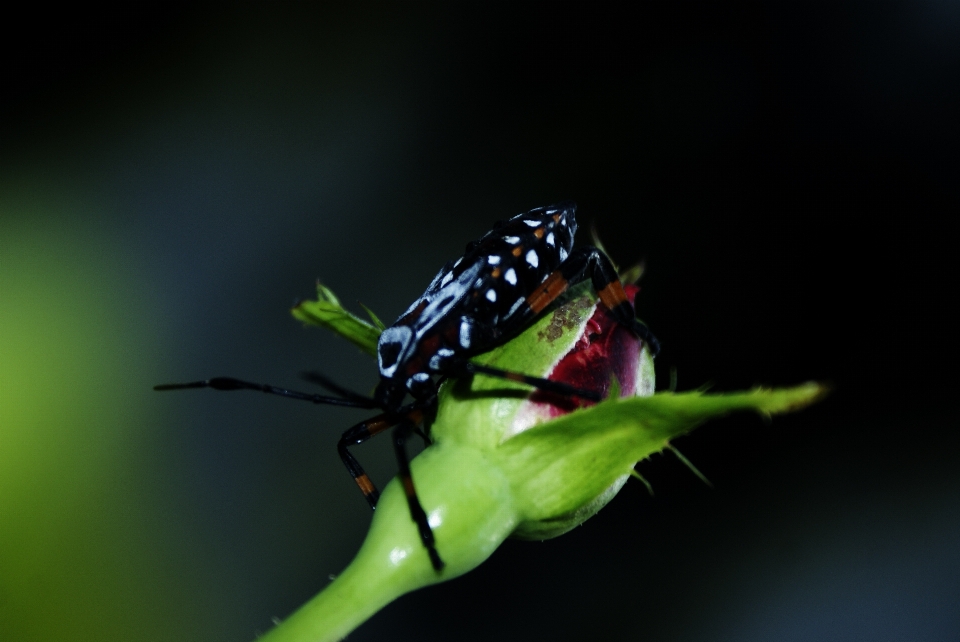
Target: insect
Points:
x,y
493,292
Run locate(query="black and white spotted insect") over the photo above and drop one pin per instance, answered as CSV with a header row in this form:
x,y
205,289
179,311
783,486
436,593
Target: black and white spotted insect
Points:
x,y
486,297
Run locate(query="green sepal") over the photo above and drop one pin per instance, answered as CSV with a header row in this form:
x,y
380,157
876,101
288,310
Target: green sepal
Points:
x,y
373,317
560,466
327,312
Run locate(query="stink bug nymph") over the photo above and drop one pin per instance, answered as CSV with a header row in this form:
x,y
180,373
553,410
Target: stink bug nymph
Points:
x,y
494,291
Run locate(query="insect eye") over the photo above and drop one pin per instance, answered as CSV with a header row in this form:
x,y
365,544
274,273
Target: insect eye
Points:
x,y
389,353
392,343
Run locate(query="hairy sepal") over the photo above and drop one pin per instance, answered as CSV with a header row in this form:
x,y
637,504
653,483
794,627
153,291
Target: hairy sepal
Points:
x,y
327,312
561,467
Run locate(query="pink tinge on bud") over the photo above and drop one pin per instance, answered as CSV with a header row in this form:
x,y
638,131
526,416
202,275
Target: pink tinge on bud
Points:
x,y
606,350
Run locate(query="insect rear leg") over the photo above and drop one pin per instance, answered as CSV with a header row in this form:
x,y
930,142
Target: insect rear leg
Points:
x,y
589,261
582,263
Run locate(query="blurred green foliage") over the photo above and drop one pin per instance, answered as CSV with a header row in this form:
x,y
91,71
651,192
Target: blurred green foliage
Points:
x,y
79,530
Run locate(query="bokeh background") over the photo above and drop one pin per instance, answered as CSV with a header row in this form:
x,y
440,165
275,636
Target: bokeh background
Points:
x,y
172,180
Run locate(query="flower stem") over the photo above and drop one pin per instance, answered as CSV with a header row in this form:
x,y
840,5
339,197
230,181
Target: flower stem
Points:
x,y
338,609
471,511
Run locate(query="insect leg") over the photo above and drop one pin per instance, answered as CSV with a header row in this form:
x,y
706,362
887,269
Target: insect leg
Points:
x,y
229,383
325,382
400,435
583,262
589,261
358,434
607,284
546,385
480,333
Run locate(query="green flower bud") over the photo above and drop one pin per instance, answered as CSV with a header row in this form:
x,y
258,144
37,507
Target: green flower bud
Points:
x,y
580,345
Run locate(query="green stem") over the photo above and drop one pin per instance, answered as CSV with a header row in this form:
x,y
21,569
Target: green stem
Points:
x,y
471,512
341,607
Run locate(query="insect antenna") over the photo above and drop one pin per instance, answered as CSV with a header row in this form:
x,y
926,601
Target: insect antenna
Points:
x,y
229,383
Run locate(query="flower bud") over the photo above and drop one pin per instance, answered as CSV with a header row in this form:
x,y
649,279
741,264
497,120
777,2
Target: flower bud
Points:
x,y
606,355
474,498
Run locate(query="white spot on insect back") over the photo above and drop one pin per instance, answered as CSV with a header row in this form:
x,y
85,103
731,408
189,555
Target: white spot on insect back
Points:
x,y
512,240
510,276
532,258
550,240
466,330
491,295
447,279
493,259
533,223
563,254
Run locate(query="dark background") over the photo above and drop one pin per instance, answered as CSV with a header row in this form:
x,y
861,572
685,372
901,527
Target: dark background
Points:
x,y
173,180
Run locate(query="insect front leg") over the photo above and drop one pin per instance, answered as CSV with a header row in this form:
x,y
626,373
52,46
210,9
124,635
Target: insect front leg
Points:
x,y
360,433
404,423
400,435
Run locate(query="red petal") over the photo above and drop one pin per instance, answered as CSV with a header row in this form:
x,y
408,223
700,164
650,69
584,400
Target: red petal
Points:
x,y
606,350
